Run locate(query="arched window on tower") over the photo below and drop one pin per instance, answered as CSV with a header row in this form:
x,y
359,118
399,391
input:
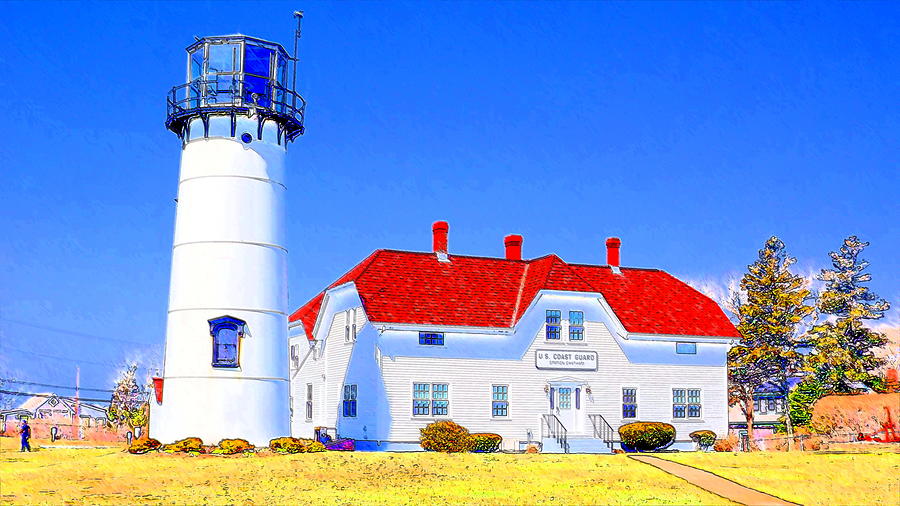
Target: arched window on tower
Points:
x,y
226,332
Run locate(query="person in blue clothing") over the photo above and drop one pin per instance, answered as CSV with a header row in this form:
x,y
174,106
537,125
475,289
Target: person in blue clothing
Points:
x,y
26,435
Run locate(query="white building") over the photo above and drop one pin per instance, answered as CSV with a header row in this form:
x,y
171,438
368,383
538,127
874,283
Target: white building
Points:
x,y
534,350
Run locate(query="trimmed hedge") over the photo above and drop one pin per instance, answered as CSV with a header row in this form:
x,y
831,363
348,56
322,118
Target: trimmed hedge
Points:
x,y
647,436
295,445
486,442
705,438
186,445
446,436
141,446
232,446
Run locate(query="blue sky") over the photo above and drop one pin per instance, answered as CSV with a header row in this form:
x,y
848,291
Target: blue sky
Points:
x,y
693,131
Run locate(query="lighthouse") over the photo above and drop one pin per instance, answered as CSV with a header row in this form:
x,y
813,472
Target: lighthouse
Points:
x,y
226,367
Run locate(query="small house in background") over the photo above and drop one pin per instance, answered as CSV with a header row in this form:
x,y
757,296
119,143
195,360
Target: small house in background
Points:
x,y
50,405
769,406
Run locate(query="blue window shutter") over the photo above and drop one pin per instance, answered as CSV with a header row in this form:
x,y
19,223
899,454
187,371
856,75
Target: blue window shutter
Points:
x,y
552,391
577,398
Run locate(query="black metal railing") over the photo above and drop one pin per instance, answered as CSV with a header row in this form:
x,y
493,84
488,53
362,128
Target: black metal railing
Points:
x,y
553,428
235,94
603,430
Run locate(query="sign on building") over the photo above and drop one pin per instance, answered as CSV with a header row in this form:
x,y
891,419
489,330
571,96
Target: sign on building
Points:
x,y
566,360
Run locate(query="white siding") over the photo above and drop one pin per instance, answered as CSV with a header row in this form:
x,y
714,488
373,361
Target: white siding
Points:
x,y
470,383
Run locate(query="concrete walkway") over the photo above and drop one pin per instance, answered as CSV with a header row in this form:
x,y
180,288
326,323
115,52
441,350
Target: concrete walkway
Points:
x,y
713,483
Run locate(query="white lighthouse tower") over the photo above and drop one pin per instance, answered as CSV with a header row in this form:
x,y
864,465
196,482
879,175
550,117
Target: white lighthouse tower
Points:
x,y
226,364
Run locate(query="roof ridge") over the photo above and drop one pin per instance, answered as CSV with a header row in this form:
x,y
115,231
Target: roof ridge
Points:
x,y
515,314
451,255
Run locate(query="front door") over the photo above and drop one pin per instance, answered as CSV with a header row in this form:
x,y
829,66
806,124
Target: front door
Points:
x,y
567,404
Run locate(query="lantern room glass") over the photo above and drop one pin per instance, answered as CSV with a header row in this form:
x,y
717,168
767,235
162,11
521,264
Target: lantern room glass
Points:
x,y
236,72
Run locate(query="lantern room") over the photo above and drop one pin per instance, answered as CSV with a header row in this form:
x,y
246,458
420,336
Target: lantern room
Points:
x,y
237,75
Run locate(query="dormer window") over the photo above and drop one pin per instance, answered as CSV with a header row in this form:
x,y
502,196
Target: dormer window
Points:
x,y
576,325
553,327
431,338
226,332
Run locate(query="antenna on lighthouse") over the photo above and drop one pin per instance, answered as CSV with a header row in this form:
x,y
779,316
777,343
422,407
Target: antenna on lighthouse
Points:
x,y
299,16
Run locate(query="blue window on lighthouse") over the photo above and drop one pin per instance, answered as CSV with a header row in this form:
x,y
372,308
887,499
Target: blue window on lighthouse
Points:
x,y
226,333
257,69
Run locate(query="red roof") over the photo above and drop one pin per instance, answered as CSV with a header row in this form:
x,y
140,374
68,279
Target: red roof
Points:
x,y
416,288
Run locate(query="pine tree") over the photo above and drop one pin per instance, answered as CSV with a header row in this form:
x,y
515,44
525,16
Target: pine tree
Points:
x,y
769,349
842,345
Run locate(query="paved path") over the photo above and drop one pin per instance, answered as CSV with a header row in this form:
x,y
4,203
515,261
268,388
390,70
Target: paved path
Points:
x,y
713,483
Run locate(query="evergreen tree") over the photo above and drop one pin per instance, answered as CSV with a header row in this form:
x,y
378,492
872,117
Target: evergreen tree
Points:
x,y
769,349
801,399
842,345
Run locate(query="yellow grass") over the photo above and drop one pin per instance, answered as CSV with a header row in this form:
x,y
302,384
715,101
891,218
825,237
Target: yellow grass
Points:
x,y
57,476
807,478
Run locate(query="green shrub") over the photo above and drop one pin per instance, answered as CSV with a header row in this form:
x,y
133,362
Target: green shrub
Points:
x,y
140,446
232,446
704,438
446,436
486,442
295,445
187,445
647,436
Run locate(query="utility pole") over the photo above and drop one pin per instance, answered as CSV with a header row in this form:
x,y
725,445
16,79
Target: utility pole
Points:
x,y
76,425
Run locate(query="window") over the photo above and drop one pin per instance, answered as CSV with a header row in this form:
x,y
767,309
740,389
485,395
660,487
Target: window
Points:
x,y
440,399
629,403
694,403
565,398
499,400
226,332
421,398
433,397
309,401
349,400
756,405
686,348
770,404
553,319
685,403
350,326
576,325
431,338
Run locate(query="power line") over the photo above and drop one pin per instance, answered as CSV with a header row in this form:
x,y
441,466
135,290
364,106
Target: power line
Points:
x,y
77,361
11,392
73,333
54,386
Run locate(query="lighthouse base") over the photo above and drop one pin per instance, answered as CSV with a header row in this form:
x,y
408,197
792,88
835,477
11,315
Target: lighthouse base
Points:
x,y
213,409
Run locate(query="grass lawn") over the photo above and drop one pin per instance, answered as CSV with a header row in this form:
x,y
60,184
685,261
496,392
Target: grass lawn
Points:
x,y
57,476
807,478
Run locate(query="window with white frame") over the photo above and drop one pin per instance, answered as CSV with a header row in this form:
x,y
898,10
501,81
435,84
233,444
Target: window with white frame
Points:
x,y
553,323
576,325
686,403
431,399
499,400
309,401
350,400
350,326
629,403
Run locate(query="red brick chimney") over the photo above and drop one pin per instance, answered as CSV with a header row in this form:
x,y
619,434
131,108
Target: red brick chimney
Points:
x,y
513,245
612,251
439,236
